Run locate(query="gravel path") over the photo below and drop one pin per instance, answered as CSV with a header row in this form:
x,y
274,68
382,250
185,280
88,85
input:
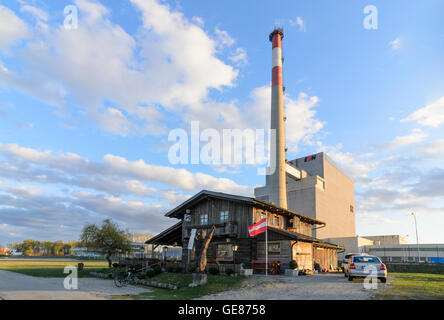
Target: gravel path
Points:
x,y
330,286
16,286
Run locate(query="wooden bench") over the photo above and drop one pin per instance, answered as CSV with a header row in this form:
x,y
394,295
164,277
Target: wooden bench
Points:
x,y
274,266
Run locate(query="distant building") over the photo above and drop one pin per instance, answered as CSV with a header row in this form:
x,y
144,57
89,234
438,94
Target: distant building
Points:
x,y
428,253
390,248
318,188
351,244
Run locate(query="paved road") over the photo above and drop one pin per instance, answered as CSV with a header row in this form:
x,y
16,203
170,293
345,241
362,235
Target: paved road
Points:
x,y
330,286
16,286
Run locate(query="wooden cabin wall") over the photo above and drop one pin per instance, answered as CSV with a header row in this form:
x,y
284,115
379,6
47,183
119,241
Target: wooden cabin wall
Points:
x,y
303,254
326,257
285,253
257,215
238,213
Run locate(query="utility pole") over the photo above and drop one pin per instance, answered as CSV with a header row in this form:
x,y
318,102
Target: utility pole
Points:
x,y
416,227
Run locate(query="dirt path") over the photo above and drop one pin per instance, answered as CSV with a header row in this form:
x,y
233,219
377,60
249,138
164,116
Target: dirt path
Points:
x,y
315,287
16,286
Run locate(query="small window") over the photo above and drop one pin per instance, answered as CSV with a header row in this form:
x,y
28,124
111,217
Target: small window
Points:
x,y
352,209
204,218
274,248
224,251
223,216
276,220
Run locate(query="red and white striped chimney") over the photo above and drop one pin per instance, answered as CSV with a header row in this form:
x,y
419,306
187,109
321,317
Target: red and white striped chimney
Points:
x,y
277,186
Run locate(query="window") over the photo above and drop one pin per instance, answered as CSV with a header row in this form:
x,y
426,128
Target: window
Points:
x,y
263,216
204,218
352,209
276,220
224,251
274,248
223,216
368,259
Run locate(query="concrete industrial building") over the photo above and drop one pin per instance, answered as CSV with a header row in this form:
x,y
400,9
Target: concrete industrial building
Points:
x,y
318,188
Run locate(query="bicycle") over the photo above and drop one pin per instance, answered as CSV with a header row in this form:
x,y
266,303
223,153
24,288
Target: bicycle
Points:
x,y
123,278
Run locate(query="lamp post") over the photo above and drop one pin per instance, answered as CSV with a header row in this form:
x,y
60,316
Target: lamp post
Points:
x,y
234,247
417,242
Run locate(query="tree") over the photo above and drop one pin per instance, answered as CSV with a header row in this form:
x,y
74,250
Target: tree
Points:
x,y
108,239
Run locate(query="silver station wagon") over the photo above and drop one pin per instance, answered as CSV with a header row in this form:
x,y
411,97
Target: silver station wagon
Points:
x,y
361,266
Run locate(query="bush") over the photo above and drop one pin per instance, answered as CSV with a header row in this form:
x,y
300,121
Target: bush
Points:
x,y
157,270
115,265
170,269
229,272
141,276
150,273
293,264
213,270
178,269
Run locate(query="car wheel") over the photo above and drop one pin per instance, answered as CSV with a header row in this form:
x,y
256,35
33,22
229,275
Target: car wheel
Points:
x,y
383,280
350,278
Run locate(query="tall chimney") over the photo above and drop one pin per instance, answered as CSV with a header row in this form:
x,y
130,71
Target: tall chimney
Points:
x,y
278,188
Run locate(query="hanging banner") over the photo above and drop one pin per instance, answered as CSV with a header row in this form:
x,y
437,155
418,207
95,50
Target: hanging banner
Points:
x,y
191,242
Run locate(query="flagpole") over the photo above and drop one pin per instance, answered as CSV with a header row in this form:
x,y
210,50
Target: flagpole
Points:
x,y
266,246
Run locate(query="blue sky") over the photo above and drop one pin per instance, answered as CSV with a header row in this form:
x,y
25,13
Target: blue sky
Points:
x,y
85,113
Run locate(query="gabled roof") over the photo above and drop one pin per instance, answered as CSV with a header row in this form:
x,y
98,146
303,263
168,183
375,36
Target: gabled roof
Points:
x,y
179,211
170,236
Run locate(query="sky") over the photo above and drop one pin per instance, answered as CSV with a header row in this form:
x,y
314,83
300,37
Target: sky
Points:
x,y
90,91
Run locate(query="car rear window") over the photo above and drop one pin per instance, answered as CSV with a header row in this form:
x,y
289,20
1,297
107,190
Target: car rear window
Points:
x,y
367,259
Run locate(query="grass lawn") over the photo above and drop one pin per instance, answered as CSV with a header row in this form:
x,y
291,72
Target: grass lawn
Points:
x,y
50,269
415,286
215,284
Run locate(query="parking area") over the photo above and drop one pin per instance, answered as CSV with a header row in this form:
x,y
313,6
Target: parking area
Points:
x,y
329,286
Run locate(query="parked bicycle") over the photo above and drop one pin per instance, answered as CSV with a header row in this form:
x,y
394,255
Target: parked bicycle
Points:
x,y
123,278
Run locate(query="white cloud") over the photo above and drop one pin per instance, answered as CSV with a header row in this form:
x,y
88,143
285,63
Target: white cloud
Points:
x,y
433,148
416,136
395,44
12,28
224,39
36,12
432,115
114,175
164,67
239,57
299,23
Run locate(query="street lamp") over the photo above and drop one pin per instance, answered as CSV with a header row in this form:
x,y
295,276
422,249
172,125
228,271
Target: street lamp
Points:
x,y
235,247
417,242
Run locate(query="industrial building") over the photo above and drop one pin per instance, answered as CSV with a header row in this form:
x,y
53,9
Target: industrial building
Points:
x,y
318,188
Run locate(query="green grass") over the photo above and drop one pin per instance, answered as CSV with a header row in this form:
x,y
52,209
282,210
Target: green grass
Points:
x,y
415,286
215,284
50,269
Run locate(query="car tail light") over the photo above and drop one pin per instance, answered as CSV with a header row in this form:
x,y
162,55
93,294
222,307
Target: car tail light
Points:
x,y
383,267
352,266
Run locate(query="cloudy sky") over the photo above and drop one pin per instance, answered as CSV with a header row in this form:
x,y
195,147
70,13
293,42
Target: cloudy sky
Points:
x,y
85,112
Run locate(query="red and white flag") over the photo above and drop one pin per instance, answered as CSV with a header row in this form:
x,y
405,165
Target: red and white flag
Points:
x,y
258,227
